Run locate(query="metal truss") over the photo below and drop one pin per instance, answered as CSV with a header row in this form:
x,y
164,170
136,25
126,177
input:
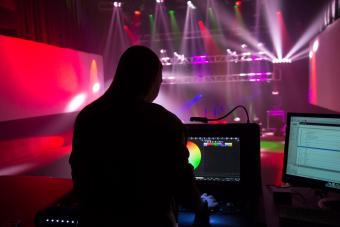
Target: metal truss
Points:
x,y
210,59
242,77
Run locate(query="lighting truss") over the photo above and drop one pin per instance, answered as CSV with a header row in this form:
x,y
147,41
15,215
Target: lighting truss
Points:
x,y
242,77
211,59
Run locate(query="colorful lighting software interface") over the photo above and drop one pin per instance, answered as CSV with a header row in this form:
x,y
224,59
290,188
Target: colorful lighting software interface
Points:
x,y
215,158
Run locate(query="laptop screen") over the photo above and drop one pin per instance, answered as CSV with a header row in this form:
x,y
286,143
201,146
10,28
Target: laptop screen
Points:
x,y
215,158
312,149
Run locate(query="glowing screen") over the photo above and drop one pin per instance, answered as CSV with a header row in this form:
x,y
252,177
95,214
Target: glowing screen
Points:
x,y
215,158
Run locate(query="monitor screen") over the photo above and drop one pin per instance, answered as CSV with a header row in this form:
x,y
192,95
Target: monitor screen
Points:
x,y
312,150
215,158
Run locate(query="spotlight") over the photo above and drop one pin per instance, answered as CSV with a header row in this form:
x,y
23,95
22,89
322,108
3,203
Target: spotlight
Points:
x,y
275,92
310,54
281,60
95,87
244,45
260,44
137,13
159,1
180,57
117,4
162,51
237,119
315,45
190,5
238,3
75,103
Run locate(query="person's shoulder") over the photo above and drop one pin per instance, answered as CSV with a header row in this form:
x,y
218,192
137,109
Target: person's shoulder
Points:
x,y
164,113
88,111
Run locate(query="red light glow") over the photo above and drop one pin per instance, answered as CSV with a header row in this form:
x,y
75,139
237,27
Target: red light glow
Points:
x,y
137,13
39,79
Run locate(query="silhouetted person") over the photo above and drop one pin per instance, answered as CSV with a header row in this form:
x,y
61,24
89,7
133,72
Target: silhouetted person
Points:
x,y
129,158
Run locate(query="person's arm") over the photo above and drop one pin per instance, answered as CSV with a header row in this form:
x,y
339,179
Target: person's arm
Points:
x,y
187,192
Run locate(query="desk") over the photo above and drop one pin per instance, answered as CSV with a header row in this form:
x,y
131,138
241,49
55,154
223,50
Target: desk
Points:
x,y
21,197
299,207
216,220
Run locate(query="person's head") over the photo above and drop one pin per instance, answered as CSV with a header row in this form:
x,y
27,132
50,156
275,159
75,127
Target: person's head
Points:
x,y
138,74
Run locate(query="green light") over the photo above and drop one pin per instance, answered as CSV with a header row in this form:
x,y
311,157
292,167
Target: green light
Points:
x,y
174,27
152,25
273,146
212,19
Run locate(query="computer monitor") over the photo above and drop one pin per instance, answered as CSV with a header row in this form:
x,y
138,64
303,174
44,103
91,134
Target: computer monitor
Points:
x,y
312,150
226,157
215,158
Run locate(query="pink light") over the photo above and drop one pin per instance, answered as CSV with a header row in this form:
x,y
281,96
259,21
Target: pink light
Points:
x,y
275,92
313,92
76,102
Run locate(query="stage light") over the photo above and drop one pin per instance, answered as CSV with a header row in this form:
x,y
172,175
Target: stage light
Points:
x,y
159,1
137,13
259,45
162,51
237,119
117,4
179,56
275,92
190,5
76,102
244,45
95,87
315,45
310,54
238,3
281,60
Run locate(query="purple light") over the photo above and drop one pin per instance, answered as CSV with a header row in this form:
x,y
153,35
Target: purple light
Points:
x,y
200,59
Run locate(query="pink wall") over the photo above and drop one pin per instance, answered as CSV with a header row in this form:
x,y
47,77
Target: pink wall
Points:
x,y
38,79
324,75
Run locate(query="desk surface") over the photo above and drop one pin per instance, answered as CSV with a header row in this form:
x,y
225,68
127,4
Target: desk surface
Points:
x,y
21,197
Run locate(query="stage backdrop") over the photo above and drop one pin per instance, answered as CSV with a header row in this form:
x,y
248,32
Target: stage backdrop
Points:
x,y
38,79
324,74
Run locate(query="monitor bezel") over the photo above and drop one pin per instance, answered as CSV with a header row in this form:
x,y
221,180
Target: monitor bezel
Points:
x,y
294,180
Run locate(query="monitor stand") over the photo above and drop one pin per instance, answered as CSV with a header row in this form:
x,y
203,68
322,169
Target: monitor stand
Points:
x,y
330,203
